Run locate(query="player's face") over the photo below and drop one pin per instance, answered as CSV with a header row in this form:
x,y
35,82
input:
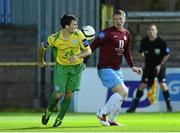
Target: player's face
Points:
x,y
73,26
152,31
118,21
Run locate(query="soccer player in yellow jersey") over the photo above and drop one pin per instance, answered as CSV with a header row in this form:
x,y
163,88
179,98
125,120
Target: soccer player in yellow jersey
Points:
x,y
71,48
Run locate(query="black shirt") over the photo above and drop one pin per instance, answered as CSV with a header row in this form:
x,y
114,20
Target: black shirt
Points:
x,y
154,51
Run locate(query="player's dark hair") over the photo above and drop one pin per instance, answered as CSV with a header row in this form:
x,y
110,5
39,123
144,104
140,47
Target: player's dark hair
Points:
x,y
120,12
66,20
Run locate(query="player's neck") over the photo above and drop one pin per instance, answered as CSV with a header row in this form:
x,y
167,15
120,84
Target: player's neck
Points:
x,y
120,28
152,38
65,34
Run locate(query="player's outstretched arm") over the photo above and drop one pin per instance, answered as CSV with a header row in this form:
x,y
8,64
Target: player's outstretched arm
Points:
x,y
41,62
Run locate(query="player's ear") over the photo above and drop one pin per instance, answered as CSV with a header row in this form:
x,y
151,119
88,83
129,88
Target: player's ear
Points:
x,y
156,31
66,26
124,19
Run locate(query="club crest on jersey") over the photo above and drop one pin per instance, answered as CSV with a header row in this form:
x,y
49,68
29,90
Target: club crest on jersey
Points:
x,y
125,38
57,88
75,41
157,51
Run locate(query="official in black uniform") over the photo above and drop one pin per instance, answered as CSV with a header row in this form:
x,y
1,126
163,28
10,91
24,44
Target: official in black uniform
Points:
x,y
155,52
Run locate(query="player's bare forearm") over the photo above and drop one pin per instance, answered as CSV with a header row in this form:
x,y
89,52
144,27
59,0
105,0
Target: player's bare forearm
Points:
x,y
41,62
158,67
41,52
128,57
165,59
85,53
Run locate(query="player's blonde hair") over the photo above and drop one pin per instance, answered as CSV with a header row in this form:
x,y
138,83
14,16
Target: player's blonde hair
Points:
x,y
151,25
120,12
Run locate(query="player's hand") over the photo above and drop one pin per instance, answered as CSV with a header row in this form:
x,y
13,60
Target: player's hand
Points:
x,y
73,59
41,63
137,70
158,67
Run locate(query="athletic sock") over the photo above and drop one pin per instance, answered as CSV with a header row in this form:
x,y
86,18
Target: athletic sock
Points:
x,y
113,114
53,101
113,103
138,97
64,107
166,97
115,110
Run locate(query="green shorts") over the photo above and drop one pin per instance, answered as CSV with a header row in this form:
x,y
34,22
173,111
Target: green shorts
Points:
x,y
67,77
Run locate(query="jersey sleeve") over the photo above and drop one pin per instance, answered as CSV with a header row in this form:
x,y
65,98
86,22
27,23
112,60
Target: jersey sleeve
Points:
x,y
99,40
141,49
166,49
84,43
127,52
49,42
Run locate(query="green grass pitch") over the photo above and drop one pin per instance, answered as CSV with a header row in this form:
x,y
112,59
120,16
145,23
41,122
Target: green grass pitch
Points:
x,y
83,122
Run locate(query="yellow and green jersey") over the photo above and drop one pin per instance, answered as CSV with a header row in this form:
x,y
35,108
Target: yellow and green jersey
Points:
x,y
67,48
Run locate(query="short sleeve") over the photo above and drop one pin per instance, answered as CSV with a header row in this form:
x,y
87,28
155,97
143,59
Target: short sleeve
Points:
x,y
84,43
141,49
166,49
51,40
